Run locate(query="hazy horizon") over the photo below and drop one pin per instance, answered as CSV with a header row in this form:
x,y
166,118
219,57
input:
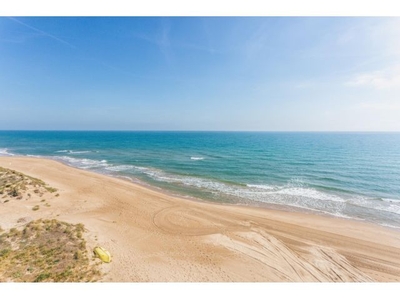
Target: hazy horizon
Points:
x,y
216,131
273,74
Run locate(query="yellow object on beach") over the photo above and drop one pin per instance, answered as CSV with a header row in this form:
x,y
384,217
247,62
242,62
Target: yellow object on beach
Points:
x,y
103,254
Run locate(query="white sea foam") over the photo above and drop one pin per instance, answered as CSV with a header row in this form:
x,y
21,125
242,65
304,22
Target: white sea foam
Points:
x,y
119,168
261,186
305,198
391,226
252,191
160,175
196,158
141,168
263,193
309,193
78,152
394,209
73,151
391,200
384,206
4,152
84,163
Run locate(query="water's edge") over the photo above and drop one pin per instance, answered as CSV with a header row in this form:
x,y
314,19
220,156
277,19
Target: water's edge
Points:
x,y
254,204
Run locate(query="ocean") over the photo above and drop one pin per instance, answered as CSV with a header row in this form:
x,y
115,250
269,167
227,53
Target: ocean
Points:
x,y
348,175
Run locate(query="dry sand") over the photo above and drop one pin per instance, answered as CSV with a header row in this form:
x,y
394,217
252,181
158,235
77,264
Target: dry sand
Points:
x,y
157,237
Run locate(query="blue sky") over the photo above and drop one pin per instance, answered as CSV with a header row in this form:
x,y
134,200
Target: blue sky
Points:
x,y
194,73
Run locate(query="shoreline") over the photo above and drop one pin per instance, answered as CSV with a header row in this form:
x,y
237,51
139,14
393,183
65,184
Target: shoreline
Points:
x,y
181,239
251,203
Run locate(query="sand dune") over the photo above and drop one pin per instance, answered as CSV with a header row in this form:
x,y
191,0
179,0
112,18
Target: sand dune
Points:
x,y
157,237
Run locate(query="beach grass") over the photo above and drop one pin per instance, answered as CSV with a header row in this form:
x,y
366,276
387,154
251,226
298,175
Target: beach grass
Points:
x,y
18,186
46,251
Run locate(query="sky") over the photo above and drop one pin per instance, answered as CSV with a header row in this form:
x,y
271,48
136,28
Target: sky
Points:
x,y
200,73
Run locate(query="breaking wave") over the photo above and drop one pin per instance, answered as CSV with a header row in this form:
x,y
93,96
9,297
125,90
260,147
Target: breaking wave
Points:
x,y
196,158
73,151
4,152
83,163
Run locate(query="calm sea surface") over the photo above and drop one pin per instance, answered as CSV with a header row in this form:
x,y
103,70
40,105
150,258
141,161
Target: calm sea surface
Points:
x,y
351,175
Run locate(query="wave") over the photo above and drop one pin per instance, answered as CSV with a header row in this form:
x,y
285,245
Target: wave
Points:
x,y
390,200
119,168
383,206
83,163
395,209
261,186
196,158
252,191
4,152
73,151
296,187
309,193
295,193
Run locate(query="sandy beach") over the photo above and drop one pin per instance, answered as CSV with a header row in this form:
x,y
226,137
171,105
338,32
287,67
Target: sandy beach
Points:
x,y
155,237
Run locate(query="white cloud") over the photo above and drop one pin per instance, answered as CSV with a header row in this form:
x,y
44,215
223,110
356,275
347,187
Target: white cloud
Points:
x,y
381,79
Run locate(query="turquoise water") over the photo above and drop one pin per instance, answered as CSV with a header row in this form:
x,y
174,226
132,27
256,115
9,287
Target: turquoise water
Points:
x,y
351,175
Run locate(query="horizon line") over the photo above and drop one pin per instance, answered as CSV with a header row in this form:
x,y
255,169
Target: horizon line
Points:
x,y
161,130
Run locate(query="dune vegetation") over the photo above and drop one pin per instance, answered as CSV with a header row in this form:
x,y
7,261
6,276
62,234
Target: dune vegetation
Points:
x,y
46,250
18,186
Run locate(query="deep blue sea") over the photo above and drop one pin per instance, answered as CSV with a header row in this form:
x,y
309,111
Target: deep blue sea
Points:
x,y
350,175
